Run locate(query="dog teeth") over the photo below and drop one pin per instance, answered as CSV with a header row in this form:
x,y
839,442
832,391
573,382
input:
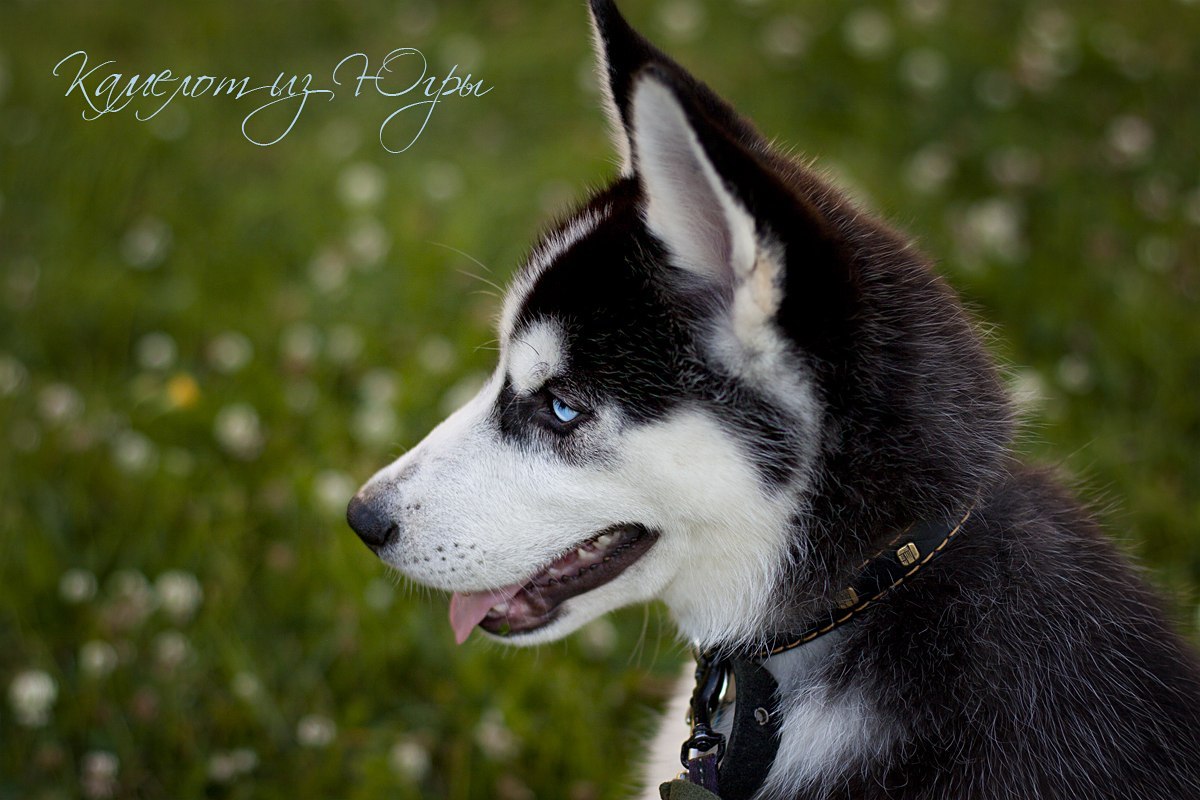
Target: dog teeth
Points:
x,y
591,557
498,610
606,540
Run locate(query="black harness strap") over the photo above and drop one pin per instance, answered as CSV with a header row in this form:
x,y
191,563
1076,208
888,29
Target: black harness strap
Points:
x,y
736,770
754,739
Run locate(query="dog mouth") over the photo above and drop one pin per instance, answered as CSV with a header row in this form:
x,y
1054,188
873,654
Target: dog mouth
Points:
x,y
535,603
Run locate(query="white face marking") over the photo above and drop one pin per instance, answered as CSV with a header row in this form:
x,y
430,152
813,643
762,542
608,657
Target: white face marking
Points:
x,y
535,355
479,512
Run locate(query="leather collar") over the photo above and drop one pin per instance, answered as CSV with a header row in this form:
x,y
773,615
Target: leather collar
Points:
x,y
736,769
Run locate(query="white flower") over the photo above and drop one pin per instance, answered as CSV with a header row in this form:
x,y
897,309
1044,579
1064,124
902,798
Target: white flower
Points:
x,y
1191,207
179,594
146,243
156,351
442,181
315,730
785,36
77,586
221,768
97,659
99,774
436,355
368,242
683,20
996,89
1158,253
133,452
59,403
13,375
993,227
924,69
361,185
494,737
333,490
375,425
300,343
238,430
345,344
1131,138
930,168
132,599
32,694
1074,373
171,649
598,637
379,387
1014,166
410,759
229,352
247,686
1028,389
328,270
868,33
463,49
225,767
339,138
924,12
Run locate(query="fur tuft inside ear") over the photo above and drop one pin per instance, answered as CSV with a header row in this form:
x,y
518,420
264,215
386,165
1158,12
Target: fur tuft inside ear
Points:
x,y
689,208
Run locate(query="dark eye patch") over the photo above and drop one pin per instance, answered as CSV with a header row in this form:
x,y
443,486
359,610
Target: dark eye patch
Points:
x,y
530,416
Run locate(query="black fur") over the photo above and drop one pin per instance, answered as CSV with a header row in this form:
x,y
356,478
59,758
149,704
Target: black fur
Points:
x,y
1030,660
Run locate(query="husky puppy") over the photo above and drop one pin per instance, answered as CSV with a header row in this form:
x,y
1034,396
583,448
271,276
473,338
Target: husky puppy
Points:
x,y
724,385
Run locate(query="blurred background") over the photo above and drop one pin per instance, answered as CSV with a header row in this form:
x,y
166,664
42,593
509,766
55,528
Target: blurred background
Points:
x,y
205,346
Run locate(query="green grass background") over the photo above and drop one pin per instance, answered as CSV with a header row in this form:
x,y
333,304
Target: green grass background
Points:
x,y
206,345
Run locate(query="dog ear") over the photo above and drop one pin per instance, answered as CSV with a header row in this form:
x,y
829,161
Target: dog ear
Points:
x,y
689,205
621,54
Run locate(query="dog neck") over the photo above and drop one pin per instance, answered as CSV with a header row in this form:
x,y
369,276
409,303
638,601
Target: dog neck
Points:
x,y
780,700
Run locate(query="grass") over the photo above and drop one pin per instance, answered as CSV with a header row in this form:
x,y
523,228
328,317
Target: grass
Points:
x,y
205,345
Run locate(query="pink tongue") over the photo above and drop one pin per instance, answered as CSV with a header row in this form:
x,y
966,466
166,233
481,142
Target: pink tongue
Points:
x,y
468,610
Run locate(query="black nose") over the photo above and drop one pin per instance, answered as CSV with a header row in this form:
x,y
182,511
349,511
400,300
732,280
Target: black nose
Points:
x,y
375,528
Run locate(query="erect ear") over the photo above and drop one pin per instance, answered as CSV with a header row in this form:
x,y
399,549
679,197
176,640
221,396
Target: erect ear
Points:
x,y
689,205
621,54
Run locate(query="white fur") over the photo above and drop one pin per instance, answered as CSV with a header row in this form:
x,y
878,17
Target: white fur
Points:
x,y
481,512
620,138
826,734
688,207
536,355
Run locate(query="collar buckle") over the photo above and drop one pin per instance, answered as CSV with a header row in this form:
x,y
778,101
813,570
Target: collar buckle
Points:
x,y
712,675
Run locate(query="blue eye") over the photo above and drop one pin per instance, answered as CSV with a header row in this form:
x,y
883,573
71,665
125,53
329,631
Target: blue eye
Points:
x,y
563,411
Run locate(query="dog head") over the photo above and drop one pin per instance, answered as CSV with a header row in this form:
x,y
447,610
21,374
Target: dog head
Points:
x,y
705,371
